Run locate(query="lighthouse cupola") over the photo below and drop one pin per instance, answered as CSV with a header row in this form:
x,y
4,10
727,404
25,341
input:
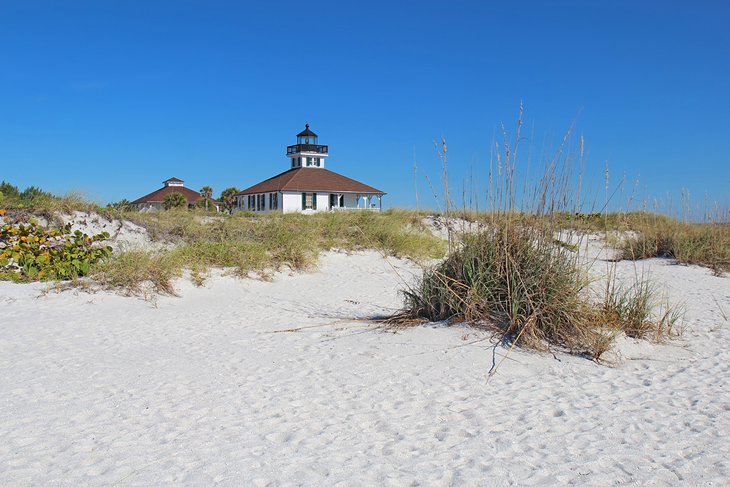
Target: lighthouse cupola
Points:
x,y
307,152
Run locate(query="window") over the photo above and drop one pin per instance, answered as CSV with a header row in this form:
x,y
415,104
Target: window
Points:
x,y
250,203
309,201
273,201
260,202
316,161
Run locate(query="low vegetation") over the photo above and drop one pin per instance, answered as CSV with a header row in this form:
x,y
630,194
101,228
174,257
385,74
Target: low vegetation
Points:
x,y
705,244
517,280
198,240
245,243
31,252
38,202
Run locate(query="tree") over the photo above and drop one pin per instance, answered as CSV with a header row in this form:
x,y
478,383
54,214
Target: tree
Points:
x,y
174,200
207,193
228,198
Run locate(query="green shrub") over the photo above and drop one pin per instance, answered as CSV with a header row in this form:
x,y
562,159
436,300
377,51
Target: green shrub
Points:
x,y
174,200
31,252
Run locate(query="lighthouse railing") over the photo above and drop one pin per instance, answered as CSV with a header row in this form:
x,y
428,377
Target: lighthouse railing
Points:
x,y
316,148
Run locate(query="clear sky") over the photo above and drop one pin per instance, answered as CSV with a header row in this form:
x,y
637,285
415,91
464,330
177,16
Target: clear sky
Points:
x,y
112,97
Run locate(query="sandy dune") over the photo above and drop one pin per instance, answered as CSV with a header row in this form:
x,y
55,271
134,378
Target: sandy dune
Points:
x,y
210,388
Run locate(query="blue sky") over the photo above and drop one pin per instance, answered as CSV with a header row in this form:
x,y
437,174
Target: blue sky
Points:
x,y
111,98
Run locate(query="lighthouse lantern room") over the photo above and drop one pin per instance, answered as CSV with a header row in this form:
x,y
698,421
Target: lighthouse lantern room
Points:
x,y
307,152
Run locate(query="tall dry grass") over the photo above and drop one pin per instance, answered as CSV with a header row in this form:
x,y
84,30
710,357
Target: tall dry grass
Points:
x,y
522,275
705,244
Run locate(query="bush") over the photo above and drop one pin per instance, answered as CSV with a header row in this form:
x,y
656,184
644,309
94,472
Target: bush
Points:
x,y
31,252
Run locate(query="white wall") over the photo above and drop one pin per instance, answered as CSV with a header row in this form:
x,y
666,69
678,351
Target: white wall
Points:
x,y
303,155
323,201
291,202
266,208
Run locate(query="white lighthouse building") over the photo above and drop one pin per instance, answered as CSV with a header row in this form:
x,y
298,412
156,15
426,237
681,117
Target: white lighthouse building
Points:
x,y
306,186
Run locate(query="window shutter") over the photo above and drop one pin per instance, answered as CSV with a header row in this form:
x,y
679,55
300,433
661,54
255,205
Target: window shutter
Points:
x,y
304,201
314,201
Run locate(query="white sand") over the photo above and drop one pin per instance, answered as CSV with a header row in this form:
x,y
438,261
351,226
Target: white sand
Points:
x,y
99,389
123,234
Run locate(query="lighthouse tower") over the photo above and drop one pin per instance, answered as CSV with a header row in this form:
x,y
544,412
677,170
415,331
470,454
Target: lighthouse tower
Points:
x,y
306,152
307,187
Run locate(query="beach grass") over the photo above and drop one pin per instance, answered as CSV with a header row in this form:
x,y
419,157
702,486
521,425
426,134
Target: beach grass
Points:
x,y
522,274
518,281
705,244
246,243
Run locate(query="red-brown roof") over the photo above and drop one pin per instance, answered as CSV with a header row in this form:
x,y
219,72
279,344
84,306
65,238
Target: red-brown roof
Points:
x,y
310,179
174,180
159,195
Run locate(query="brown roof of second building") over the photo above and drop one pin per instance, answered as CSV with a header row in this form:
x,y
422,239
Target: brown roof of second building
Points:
x,y
159,195
310,179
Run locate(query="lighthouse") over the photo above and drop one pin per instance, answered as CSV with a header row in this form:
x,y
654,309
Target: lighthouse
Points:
x,y
307,187
307,152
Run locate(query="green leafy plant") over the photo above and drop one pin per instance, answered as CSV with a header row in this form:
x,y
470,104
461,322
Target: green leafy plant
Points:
x,y
31,252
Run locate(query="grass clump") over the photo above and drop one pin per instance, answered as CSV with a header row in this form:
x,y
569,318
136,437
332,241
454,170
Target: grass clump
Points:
x,y
631,310
705,244
506,276
133,270
518,281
